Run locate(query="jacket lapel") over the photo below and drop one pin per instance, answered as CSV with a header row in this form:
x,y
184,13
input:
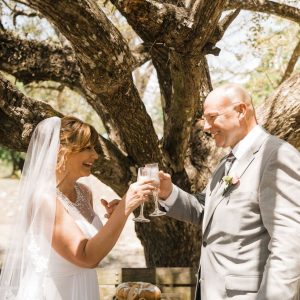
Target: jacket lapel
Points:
x,y
249,156
216,196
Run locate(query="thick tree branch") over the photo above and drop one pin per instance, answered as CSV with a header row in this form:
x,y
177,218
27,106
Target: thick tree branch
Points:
x,y
155,21
285,101
102,54
179,94
20,114
178,3
196,9
106,62
141,55
210,47
172,26
186,101
292,62
112,167
161,62
270,7
33,61
205,21
225,23
135,125
22,2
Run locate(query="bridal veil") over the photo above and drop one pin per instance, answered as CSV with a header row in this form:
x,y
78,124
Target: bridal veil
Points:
x,y
26,262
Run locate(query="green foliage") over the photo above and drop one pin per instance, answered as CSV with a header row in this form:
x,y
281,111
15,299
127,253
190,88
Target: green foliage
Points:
x,y
5,154
274,48
255,52
12,160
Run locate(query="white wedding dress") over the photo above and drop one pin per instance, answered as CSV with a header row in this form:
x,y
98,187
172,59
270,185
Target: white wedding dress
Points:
x,y
66,281
32,269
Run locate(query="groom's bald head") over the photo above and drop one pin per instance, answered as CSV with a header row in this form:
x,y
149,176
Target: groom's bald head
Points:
x,y
230,93
228,114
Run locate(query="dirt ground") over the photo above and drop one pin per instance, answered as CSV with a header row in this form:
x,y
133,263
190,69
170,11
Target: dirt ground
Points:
x,y
128,251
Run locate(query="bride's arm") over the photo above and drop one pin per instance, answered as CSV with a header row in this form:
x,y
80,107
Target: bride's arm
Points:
x,y
69,241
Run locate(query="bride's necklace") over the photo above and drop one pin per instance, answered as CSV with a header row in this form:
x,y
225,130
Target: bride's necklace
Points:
x,y
79,201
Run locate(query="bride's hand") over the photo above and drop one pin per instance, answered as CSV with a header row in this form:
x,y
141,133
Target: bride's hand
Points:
x,y
109,206
137,193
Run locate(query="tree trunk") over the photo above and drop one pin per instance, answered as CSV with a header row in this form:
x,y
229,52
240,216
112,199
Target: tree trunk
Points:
x,y
280,114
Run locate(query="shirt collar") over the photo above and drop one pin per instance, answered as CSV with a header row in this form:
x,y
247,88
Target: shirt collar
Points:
x,y
244,145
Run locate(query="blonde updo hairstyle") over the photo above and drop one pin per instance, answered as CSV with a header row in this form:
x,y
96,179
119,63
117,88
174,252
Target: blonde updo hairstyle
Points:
x,y
75,136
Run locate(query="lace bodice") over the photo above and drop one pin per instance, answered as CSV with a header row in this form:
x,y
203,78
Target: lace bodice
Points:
x,y
82,204
85,218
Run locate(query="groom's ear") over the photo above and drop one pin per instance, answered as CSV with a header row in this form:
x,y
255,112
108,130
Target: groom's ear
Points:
x,y
241,108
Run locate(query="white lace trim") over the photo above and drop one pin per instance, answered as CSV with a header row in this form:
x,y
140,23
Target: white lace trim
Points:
x,y
39,261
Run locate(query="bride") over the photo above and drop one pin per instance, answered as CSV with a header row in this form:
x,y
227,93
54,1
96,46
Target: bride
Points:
x,y
58,239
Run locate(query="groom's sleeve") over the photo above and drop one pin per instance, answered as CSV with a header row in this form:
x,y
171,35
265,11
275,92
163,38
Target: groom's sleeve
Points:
x,y
186,207
279,200
166,204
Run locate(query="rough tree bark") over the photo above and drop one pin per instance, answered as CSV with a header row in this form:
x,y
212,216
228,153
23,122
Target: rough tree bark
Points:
x,y
176,35
284,102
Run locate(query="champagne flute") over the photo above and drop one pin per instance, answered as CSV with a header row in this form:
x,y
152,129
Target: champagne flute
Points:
x,y
154,175
143,174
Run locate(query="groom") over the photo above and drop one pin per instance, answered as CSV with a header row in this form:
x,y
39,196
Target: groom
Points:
x,y
251,217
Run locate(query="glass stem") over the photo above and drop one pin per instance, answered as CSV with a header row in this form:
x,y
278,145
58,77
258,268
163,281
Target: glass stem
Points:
x,y
155,200
142,210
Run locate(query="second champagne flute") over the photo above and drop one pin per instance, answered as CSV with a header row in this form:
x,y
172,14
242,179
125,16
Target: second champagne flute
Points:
x,y
143,174
154,175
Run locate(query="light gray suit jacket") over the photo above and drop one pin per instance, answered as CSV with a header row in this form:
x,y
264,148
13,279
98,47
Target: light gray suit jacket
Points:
x,y
251,233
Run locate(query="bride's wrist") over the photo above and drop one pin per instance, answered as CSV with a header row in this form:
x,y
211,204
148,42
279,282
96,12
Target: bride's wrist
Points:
x,y
122,206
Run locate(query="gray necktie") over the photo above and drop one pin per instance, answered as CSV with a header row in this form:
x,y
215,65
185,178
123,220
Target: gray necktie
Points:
x,y
229,162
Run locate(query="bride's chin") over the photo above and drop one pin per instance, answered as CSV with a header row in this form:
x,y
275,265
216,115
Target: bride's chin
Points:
x,y
87,172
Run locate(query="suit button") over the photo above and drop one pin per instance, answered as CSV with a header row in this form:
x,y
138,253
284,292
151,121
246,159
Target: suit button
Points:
x,y
204,243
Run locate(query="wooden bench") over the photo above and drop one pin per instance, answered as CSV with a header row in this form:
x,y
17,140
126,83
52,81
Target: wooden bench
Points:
x,y
175,283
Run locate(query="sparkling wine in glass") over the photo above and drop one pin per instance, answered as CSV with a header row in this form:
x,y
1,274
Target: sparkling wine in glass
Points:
x,y
143,174
154,175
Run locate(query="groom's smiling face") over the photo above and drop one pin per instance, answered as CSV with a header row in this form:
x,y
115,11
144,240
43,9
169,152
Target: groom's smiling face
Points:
x,y
221,119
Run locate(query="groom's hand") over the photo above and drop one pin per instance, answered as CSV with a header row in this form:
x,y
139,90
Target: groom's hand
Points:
x,y
166,186
109,206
